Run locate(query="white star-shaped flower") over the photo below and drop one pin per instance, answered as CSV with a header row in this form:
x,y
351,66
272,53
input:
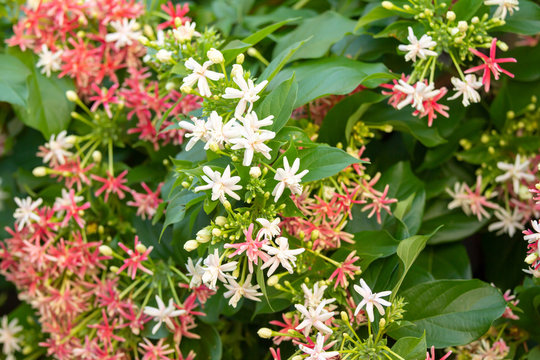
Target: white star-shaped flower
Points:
x,y
287,177
516,171
163,314
185,32
370,299
220,184
25,213
56,150
127,32
416,94
251,120
466,88
220,133
314,317
8,337
214,270
200,75
237,291
504,7
248,93
199,131
49,61
535,236
318,352
253,142
418,48
313,297
196,272
280,255
270,229
508,222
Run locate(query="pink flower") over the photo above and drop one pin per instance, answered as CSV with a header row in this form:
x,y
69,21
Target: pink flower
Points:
x,y
251,246
289,323
68,204
477,201
157,351
432,357
346,268
431,106
135,259
174,12
276,355
396,96
490,65
104,97
105,331
112,185
379,202
148,203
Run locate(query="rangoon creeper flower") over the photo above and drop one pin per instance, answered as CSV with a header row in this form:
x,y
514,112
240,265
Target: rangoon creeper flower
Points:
x,y
314,317
185,32
416,94
56,150
247,93
417,47
49,61
516,171
200,75
288,178
126,33
220,133
280,255
504,7
163,314
220,184
196,271
466,88
313,297
251,120
533,236
370,299
199,131
214,270
270,229
8,337
318,352
508,222
24,214
237,291
253,142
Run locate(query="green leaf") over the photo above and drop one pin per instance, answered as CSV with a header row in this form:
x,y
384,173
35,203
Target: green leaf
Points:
x,y
371,245
529,302
280,61
47,108
280,103
236,47
525,21
323,31
466,9
323,161
176,209
376,13
328,76
399,30
13,74
411,348
450,312
210,348
457,226
261,281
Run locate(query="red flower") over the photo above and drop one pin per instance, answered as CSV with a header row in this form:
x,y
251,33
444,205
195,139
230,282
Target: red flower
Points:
x,y
431,106
135,259
490,65
346,268
112,185
174,12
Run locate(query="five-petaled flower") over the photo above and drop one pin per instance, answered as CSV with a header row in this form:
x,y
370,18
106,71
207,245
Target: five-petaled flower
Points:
x,y
371,299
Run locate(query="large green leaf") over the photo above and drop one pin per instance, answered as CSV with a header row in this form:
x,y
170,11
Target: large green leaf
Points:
x,y
323,31
529,302
323,161
47,108
208,347
327,76
374,14
408,250
456,225
280,103
525,21
466,9
450,312
13,74
280,61
369,246
411,348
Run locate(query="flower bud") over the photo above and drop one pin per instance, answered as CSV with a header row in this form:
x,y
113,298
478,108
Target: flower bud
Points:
x,y
215,56
72,95
237,70
204,236
114,269
220,220
451,16
186,89
216,232
297,357
382,323
39,171
255,172
475,20
462,26
105,250
164,56
185,184
141,248
272,280
252,52
344,316
531,258
240,59
227,205
214,147
388,5
96,156
264,333
170,86
177,22
191,245
502,45
148,31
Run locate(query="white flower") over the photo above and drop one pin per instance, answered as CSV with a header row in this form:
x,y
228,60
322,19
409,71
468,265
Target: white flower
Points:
x,y
164,56
318,352
314,317
288,178
237,291
200,75
460,198
199,131
214,270
417,94
417,47
220,184
281,255
516,172
215,56
163,314
371,299
56,150
196,272
504,7
247,93
269,229
25,212
185,32
253,142
126,33
466,88
8,337
220,133
49,61
509,222
536,235
313,297
63,202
